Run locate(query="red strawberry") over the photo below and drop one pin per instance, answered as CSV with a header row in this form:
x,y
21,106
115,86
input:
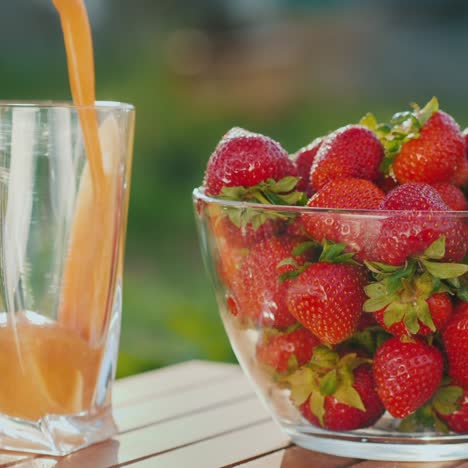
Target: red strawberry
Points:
x,y
257,290
458,420
452,196
304,158
386,184
433,157
455,339
440,307
424,220
340,227
461,307
327,299
342,417
246,236
407,373
229,261
460,178
286,350
351,151
245,159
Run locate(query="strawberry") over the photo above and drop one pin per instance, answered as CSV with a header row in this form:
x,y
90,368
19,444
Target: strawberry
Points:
x,y
244,159
433,157
461,307
304,158
286,351
452,196
386,184
461,176
340,227
407,373
327,299
340,416
256,288
229,261
351,151
246,235
440,309
424,220
335,390
457,421
455,340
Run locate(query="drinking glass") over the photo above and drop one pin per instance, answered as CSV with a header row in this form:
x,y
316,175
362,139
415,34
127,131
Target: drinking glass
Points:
x,y
62,236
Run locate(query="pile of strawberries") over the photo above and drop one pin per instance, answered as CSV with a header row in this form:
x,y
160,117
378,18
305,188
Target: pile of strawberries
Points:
x,y
361,300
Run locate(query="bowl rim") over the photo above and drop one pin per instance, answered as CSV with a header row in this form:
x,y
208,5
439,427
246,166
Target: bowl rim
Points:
x,y
199,194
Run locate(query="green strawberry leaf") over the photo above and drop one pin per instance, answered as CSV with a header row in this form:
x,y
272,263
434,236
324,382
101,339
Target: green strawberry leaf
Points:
x,y
369,121
409,424
376,303
411,320
447,399
436,250
349,396
289,261
324,357
293,364
396,312
317,406
445,270
377,267
284,185
423,314
303,247
403,127
426,112
328,383
462,294
375,290
269,192
292,274
302,384
334,253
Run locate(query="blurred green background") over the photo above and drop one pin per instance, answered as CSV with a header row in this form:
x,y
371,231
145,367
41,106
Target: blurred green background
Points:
x,y
293,69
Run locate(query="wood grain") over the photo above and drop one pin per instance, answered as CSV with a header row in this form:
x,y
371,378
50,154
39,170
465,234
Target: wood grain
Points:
x,y
196,414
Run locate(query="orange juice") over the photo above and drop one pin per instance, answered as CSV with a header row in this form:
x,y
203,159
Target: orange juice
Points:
x,y
57,372
52,367
84,304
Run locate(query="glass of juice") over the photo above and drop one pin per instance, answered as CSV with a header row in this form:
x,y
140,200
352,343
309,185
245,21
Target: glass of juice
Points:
x,y
62,237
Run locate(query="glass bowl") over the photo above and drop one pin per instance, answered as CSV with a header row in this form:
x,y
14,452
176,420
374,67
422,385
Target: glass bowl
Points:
x,y
256,255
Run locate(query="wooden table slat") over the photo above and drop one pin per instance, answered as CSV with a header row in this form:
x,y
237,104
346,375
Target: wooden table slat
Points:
x,y
223,450
167,380
163,437
196,414
198,398
298,457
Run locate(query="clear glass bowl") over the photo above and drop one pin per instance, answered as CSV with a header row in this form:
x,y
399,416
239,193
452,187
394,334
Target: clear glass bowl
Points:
x,y
248,323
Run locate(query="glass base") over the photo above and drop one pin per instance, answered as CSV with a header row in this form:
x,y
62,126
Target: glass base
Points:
x,y
56,434
379,447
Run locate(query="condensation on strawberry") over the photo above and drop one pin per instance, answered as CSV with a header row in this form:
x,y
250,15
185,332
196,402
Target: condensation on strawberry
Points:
x,y
417,217
243,158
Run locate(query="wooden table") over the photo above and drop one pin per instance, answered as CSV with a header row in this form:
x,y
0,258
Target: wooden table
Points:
x,y
195,414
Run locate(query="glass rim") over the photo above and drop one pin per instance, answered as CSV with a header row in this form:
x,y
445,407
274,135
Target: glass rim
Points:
x,y
52,104
199,194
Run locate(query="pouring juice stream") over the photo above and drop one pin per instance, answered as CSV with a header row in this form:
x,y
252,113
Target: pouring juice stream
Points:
x,y
84,304
60,361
